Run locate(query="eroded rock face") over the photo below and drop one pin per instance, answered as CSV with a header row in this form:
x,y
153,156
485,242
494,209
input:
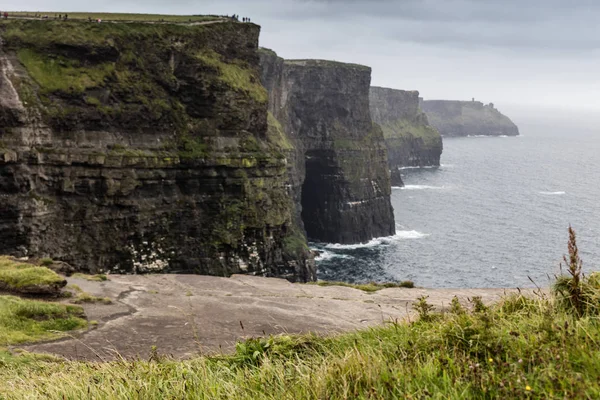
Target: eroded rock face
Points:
x,y
142,148
410,140
468,118
339,174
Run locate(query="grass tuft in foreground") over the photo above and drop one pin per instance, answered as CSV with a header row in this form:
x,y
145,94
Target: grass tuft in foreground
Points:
x,y
93,278
519,348
23,277
30,320
369,287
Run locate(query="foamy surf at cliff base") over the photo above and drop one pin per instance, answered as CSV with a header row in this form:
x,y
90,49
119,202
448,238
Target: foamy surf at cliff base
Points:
x,y
422,187
325,255
400,235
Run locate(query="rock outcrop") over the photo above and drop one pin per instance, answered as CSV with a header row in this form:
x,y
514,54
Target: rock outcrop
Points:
x,y
339,175
143,148
410,140
468,118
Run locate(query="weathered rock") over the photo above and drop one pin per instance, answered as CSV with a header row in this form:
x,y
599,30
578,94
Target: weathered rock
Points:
x,y
45,289
468,118
410,140
142,148
339,176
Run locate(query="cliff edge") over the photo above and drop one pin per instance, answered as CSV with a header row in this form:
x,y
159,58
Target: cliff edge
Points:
x,y
136,147
468,118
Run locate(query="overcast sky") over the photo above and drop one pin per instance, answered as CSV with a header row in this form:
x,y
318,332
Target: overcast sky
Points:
x,y
510,52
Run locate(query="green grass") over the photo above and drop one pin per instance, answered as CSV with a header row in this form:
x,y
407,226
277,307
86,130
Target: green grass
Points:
x,y
368,287
276,135
122,17
20,276
93,278
28,320
60,74
404,129
236,75
86,298
519,348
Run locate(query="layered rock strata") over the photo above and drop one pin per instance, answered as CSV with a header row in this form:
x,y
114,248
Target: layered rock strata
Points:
x,y
410,140
468,118
339,175
143,148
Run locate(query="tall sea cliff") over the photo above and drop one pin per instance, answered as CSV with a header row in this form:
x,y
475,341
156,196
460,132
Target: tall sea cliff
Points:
x,y
339,173
410,140
143,148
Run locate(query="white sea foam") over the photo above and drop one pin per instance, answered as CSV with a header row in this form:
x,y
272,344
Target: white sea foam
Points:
x,y
400,235
553,193
422,187
325,255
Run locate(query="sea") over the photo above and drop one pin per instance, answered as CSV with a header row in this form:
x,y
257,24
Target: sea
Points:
x,y
495,214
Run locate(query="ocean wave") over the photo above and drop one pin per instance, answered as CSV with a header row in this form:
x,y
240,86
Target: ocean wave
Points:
x,y
325,255
400,235
422,187
553,193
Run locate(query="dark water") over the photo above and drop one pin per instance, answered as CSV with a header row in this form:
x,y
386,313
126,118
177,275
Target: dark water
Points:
x,y
495,212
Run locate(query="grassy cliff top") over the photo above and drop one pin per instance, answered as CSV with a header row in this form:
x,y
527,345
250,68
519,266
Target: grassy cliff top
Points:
x,y
134,76
326,63
384,89
118,16
407,129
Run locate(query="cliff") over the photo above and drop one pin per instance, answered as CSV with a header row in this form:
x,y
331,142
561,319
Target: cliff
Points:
x,y
468,118
410,140
135,147
338,166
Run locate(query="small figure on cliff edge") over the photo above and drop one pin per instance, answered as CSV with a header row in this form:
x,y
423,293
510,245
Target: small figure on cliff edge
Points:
x,y
5,15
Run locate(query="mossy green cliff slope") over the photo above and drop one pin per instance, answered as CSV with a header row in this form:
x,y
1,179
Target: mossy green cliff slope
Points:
x,y
410,140
142,147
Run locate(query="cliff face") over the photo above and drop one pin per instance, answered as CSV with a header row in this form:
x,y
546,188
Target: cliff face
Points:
x,y
410,140
468,118
339,174
143,147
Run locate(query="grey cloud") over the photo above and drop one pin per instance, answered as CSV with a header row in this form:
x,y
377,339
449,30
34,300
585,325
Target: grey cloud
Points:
x,y
545,51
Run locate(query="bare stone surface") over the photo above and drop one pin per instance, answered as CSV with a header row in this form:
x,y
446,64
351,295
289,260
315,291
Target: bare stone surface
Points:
x,y
184,315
